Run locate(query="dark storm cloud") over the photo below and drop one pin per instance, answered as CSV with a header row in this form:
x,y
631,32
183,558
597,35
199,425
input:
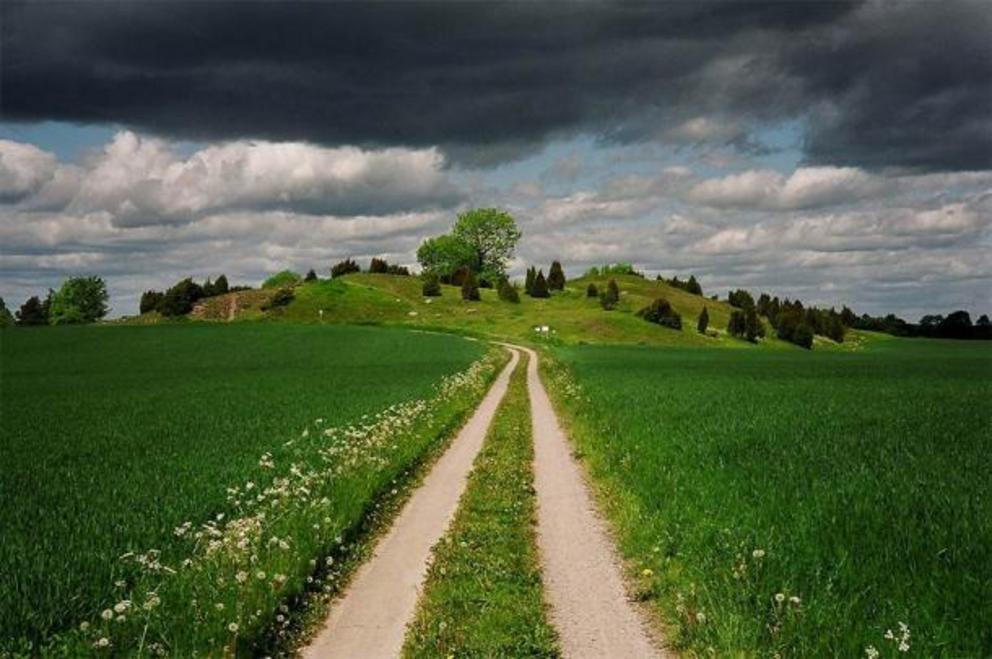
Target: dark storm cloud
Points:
x,y
897,84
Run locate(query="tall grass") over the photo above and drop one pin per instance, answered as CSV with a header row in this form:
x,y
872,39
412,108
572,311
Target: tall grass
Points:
x,y
166,488
794,504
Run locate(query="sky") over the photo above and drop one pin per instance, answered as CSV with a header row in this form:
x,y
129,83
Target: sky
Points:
x,y
836,152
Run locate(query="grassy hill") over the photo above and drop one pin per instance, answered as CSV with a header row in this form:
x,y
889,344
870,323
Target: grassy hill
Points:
x,y
572,318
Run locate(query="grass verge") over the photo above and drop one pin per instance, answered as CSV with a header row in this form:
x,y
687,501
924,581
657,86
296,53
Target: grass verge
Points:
x,y
483,596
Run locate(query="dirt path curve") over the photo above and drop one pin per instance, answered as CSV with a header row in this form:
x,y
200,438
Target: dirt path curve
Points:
x,y
370,620
582,575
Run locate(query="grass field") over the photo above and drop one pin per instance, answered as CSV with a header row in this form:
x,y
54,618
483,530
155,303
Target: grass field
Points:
x,y
483,596
114,438
571,316
796,504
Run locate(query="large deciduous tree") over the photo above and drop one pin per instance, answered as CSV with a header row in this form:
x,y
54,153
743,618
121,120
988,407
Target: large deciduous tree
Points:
x,y
79,300
493,235
445,255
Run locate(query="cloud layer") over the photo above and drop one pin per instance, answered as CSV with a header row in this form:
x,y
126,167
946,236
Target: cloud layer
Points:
x,y
874,84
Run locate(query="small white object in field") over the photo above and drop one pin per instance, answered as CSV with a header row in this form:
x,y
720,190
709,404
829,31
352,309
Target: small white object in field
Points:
x,y
428,301
412,313
321,313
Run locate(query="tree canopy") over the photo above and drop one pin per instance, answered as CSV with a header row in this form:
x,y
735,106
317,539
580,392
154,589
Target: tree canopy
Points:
x,y
79,300
482,240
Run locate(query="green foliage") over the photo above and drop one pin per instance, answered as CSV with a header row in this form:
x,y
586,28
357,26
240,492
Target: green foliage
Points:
x,y
346,267
431,284
179,299
492,234
746,324
280,298
310,276
444,255
613,269
539,288
381,266
611,296
6,318
803,336
591,290
556,277
529,280
114,436
470,287
32,313
488,559
79,300
740,298
703,322
738,475
508,292
150,301
282,279
661,313
221,287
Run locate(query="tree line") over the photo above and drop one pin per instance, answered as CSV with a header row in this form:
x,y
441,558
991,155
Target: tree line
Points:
x,y
78,301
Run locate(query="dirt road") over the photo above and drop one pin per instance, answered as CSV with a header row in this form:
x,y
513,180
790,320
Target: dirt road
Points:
x,y
582,575
370,620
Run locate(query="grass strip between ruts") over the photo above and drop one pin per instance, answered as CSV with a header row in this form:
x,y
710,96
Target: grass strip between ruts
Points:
x,y
483,595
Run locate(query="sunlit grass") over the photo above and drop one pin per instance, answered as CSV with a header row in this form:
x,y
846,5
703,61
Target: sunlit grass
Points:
x,y
799,503
162,445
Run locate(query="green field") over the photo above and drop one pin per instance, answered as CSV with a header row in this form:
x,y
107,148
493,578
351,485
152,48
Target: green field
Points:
x,y
115,436
796,504
483,596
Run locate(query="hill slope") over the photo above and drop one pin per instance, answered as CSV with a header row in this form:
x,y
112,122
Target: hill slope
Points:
x,y
570,316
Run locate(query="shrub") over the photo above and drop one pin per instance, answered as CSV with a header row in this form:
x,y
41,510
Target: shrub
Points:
x,y
662,313
507,291
310,276
803,336
529,280
432,285
221,287
179,299
753,327
591,290
280,298
556,277
703,322
6,318
611,296
345,267
32,313
378,266
470,287
282,280
692,286
736,326
150,301
540,286
740,299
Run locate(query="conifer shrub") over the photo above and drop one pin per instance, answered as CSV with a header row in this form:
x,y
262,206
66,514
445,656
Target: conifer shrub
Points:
x,y
280,298
432,285
591,290
661,312
346,267
540,286
611,296
470,288
556,277
703,322
310,276
508,292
